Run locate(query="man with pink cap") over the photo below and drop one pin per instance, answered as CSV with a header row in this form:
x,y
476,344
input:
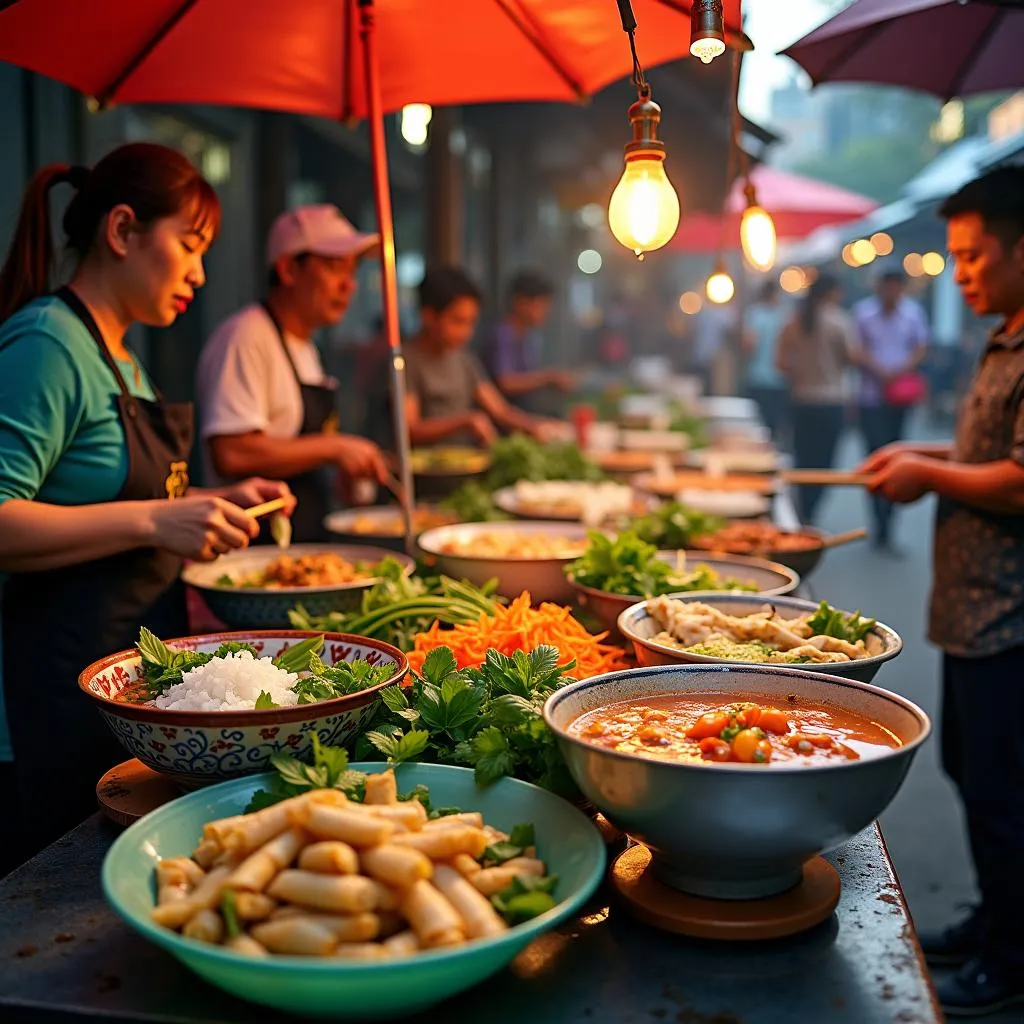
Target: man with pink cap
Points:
x,y
267,408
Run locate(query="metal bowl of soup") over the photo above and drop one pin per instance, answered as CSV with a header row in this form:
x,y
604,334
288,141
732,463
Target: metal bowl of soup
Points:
x,y
730,829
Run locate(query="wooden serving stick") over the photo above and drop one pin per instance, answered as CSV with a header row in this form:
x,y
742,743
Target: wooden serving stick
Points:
x,y
257,511
825,478
839,539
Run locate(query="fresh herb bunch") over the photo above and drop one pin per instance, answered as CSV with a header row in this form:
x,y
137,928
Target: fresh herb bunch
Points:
x,y
400,606
689,423
488,718
163,667
519,457
629,566
673,525
828,621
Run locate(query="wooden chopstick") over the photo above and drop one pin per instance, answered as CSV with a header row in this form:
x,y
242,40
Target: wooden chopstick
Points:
x,y
825,478
838,539
266,508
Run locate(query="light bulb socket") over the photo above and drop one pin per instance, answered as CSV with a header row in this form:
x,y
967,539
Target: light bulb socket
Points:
x,y
645,116
750,193
707,21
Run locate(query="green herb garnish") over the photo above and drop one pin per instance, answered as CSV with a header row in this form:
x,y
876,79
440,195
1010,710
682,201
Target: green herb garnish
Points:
x,y
828,621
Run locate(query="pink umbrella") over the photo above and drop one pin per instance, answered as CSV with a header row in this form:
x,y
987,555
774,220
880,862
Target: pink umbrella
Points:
x,y
798,206
946,47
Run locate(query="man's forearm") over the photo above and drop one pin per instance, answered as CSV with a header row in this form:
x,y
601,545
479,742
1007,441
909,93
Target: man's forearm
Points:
x,y
437,428
991,486
524,383
246,455
931,449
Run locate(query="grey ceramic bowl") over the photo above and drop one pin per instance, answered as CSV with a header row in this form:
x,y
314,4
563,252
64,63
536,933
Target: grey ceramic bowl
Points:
x,y
636,624
267,607
770,578
735,831
544,578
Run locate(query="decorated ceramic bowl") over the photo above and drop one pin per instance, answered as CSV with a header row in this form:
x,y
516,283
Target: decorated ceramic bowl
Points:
x,y
200,747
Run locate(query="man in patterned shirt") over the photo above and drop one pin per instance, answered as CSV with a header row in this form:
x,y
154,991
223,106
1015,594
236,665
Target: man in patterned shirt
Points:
x,y
977,603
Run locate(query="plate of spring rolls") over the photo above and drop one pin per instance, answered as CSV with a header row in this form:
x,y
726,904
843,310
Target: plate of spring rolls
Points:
x,y
378,899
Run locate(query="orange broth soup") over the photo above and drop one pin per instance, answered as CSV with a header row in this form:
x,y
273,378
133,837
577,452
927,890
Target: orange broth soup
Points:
x,y
719,728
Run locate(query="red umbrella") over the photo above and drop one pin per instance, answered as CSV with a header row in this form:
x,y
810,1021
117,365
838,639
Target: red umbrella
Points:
x,y
306,56
946,47
345,59
798,206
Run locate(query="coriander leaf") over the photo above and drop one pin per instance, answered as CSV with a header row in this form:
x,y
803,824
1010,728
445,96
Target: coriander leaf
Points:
x,y
264,700
264,798
418,792
153,649
394,699
490,756
352,784
233,647
229,911
315,777
387,745
443,812
410,746
291,770
523,835
333,759
439,663
498,853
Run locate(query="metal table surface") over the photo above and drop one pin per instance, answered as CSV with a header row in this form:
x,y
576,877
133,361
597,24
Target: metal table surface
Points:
x,y
64,956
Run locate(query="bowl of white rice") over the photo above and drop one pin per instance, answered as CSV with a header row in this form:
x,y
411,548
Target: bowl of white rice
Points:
x,y
207,728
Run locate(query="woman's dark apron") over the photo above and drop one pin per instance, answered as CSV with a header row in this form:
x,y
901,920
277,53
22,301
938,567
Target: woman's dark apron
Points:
x,y
312,489
57,622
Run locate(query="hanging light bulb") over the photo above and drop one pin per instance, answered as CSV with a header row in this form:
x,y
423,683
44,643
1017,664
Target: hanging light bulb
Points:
x,y
757,233
707,30
720,287
643,213
415,123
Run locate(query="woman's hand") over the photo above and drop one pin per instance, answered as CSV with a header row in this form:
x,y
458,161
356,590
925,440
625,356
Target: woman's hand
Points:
x,y
201,528
904,478
256,490
357,457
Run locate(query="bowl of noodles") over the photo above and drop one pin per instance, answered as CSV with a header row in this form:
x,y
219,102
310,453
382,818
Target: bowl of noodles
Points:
x,y
255,588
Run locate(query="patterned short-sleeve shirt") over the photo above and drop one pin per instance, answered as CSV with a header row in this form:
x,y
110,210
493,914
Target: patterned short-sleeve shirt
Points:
x,y
977,603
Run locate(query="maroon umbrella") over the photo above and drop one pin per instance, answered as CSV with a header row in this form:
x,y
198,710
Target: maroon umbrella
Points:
x,y
945,47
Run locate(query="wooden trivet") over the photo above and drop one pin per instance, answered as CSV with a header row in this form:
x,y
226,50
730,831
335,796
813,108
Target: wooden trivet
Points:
x,y
658,904
131,790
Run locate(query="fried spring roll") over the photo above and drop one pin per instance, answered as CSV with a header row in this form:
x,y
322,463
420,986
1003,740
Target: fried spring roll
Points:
x,y
253,906
330,857
347,894
478,916
247,946
387,898
296,936
403,944
257,871
349,927
205,896
473,818
410,813
244,833
466,865
491,881
174,870
434,920
206,853
205,926
172,893
445,843
352,827
360,951
381,788
397,866
391,923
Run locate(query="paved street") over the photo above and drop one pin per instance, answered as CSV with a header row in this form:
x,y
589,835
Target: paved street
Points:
x,y
924,826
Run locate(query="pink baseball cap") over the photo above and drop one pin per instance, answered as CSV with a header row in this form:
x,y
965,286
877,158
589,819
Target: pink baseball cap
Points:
x,y
319,229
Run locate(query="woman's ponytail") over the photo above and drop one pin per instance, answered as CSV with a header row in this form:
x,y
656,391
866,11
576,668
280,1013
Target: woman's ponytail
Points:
x,y
26,273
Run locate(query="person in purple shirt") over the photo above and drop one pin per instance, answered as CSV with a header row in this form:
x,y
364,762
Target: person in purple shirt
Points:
x,y
893,334
513,351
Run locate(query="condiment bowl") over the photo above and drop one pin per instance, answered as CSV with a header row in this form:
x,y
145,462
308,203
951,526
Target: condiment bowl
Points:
x,y
736,831
769,578
637,625
543,577
244,607
199,747
347,989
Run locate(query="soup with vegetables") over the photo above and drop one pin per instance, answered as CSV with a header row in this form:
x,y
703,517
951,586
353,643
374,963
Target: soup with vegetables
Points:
x,y
717,728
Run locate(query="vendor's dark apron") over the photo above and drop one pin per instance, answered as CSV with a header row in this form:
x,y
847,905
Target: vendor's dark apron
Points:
x,y
312,489
57,622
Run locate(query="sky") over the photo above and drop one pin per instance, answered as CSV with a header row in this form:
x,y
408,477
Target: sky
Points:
x,y
771,32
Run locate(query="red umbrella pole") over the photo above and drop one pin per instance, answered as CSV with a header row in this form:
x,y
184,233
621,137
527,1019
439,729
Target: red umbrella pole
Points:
x,y
386,227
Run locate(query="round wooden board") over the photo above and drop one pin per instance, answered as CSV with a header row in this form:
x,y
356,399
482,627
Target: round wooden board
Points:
x,y
657,904
131,790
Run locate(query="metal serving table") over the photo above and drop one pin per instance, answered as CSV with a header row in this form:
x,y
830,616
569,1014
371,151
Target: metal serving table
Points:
x,y
65,957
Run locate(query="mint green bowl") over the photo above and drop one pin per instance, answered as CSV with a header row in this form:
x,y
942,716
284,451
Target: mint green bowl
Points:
x,y
566,839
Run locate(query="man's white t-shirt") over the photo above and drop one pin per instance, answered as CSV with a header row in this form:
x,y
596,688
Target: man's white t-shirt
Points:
x,y
244,382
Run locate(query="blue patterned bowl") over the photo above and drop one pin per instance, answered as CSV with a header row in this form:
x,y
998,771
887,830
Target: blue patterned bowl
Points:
x,y
243,607
197,748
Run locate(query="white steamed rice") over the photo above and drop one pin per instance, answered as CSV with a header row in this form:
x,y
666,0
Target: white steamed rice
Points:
x,y
231,683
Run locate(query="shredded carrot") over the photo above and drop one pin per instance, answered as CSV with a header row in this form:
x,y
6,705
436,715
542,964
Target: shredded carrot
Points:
x,y
518,627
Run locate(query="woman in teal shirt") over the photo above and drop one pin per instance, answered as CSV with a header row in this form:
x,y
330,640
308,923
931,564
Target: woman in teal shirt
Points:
x,y
96,514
